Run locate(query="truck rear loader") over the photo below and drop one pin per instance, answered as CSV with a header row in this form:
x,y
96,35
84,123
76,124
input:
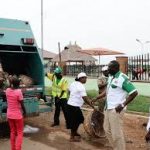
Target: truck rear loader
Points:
x,y
20,56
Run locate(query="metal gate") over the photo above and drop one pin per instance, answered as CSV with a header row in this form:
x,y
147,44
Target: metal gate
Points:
x,y
139,67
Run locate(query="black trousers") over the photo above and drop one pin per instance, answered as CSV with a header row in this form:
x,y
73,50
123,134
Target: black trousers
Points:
x,y
75,117
60,104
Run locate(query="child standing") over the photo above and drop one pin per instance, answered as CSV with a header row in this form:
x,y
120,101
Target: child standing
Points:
x,y
14,113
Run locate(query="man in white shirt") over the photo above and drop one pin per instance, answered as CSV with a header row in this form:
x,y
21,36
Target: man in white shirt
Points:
x,y
120,92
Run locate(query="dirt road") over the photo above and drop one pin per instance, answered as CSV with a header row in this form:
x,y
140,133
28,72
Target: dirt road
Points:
x,y
58,138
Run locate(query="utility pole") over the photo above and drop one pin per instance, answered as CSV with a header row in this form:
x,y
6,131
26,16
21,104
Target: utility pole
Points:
x,y
42,35
59,53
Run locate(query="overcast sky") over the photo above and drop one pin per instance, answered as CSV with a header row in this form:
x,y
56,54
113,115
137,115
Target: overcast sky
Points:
x,y
113,24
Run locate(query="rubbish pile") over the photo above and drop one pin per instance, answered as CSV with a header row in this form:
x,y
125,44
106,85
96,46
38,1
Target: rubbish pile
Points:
x,y
4,82
93,124
25,81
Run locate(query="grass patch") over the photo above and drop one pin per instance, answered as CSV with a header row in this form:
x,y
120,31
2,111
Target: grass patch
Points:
x,y
92,93
140,104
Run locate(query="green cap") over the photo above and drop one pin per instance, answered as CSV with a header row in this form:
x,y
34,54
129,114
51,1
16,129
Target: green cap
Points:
x,y
58,70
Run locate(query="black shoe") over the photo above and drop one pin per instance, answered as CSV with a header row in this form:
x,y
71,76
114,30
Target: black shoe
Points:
x,y
54,124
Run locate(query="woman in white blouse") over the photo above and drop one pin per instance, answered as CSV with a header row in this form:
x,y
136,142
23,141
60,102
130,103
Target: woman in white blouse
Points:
x,y
77,97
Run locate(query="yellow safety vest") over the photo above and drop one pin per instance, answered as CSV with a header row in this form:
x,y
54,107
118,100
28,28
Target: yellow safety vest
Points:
x,y
58,88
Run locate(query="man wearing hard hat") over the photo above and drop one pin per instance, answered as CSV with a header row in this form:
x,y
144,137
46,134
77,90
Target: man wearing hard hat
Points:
x,y
59,93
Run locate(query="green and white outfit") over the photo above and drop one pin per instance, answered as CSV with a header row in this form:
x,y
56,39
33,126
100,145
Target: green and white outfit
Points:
x,y
118,88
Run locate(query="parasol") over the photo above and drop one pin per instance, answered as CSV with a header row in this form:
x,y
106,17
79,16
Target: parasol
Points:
x,y
99,52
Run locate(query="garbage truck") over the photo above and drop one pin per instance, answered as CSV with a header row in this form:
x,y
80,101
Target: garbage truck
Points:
x,y
20,56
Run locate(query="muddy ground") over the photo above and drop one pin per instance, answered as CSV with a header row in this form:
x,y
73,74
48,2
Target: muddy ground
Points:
x,y
57,138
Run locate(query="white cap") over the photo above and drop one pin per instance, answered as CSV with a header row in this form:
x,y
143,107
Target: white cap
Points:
x,y
105,68
82,74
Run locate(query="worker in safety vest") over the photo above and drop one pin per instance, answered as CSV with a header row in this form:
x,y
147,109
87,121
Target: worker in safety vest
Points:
x,y
59,93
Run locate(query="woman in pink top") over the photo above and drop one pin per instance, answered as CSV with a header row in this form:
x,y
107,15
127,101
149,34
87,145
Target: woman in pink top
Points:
x,y
14,113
